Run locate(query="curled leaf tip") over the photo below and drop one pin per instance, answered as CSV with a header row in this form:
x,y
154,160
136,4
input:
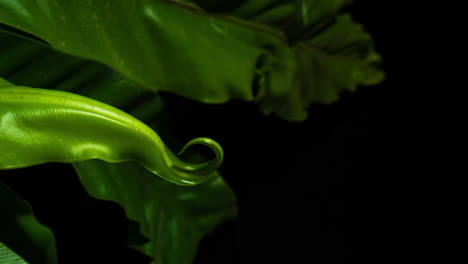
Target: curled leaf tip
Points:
x,y
39,126
197,173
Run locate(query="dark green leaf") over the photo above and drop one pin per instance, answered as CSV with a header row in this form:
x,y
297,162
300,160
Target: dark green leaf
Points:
x,y
339,59
163,45
295,18
211,202
172,217
176,47
21,232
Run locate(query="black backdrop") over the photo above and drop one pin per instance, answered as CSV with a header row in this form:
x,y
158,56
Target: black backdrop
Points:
x,y
352,183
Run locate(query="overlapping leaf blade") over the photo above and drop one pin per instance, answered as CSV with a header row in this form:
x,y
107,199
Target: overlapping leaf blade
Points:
x,y
163,45
296,18
196,210
176,47
339,59
172,217
309,57
21,232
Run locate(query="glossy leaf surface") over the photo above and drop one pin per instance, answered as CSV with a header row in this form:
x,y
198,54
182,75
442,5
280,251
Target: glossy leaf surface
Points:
x,y
147,199
21,232
291,60
272,47
40,125
163,45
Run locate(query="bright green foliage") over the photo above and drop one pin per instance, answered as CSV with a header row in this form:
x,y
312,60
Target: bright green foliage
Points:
x,y
9,257
214,200
163,46
170,46
22,233
39,125
282,55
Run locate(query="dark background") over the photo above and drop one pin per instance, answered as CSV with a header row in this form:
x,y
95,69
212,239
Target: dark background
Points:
x,y
355,182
